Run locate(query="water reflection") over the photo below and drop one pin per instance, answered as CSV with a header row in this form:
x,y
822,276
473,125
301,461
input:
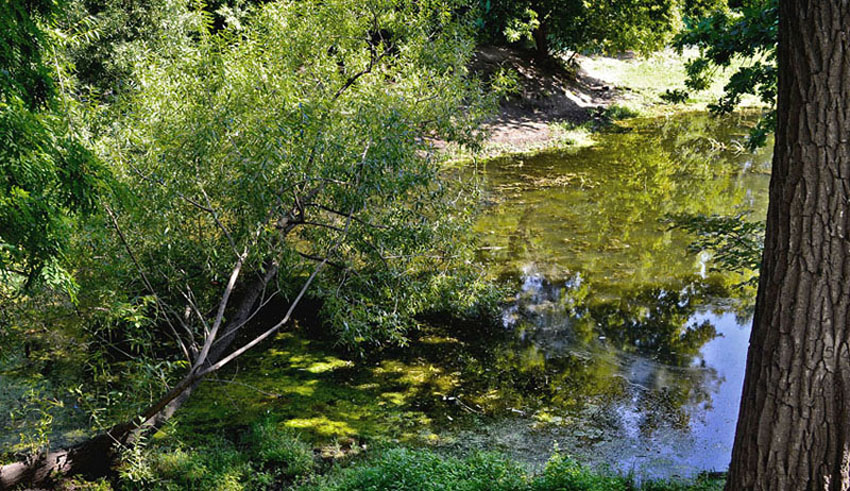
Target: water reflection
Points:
x,y
597,210
620,344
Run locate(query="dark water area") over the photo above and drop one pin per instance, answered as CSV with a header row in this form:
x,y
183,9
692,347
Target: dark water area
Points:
x,y
638,343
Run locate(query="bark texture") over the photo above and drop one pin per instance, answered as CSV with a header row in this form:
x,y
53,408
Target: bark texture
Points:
x,y
793,431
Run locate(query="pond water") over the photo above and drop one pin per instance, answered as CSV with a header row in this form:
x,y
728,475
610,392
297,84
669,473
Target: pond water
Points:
x,y
641,346
617,344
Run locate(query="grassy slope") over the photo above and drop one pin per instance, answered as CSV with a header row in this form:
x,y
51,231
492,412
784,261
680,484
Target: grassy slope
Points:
x,y
643,80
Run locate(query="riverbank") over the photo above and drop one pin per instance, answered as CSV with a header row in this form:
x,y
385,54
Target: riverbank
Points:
x,y
562,105
268,458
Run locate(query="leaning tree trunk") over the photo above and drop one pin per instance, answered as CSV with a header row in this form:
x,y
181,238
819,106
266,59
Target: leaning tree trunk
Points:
x,y
95,457
794,427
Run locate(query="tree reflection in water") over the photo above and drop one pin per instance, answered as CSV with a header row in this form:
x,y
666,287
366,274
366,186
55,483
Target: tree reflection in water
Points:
x,y
615,324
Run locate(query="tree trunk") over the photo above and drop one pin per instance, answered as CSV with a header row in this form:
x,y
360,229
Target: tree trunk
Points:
x,y
541,42
793,431
95,457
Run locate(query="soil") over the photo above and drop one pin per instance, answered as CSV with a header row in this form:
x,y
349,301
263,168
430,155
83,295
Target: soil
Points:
x,y
549,92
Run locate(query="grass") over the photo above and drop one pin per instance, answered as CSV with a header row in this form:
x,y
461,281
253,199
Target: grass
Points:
x,y
267,456
405,469
644,80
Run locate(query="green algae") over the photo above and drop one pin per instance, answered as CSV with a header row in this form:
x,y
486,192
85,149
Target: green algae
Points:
x,y
303,384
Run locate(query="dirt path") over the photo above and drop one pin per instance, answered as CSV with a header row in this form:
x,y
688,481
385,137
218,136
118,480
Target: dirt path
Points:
x,y
547,95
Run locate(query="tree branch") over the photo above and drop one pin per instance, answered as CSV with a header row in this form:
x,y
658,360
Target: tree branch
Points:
x,y
145,280
231,283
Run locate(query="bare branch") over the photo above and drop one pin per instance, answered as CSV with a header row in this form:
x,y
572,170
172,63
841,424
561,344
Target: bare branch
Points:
x,y
257,340
194,307
270,272
231,283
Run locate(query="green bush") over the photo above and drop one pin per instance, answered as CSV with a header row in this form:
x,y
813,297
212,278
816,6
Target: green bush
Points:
x,y
268,456
402,469
702,483
280,450
565,474
216,465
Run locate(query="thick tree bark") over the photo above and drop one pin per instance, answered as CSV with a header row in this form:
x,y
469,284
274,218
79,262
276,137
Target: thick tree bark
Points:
x,y
793,431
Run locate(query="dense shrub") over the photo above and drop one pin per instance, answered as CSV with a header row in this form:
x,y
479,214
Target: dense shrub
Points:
x,y
404,469
566,474
280,450
273,458
415,470
267,457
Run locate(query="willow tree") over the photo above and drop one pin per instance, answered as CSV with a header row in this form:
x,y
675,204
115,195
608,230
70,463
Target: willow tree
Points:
x,y
793,430
286,156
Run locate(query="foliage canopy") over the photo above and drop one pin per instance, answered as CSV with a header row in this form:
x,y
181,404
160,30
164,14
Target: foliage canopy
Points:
x,y
46,174
748,33
562,26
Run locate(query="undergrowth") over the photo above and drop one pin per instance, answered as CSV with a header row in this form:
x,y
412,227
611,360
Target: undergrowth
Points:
x,y
404,469
266,456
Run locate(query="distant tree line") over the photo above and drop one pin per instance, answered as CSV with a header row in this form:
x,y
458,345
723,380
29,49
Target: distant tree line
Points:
x,y
557,27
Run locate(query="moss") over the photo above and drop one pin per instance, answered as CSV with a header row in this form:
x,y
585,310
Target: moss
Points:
x,y
303,385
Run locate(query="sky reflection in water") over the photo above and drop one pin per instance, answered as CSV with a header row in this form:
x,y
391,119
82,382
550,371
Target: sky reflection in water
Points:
x,y
636,346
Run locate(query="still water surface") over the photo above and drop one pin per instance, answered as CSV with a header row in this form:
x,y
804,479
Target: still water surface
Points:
x,y
634,346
